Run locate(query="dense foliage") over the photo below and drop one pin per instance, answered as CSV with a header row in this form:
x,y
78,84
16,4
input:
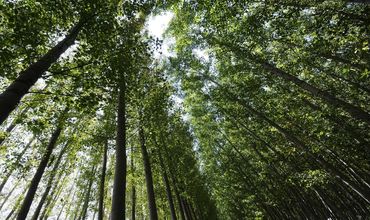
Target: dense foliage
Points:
x,y
259,110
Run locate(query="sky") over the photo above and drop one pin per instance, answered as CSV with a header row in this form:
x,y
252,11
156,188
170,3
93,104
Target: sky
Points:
x,y
156,26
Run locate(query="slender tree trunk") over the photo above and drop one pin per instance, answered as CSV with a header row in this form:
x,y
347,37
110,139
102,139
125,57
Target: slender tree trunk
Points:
x,y
187,209
133,190
356,112
360,1
168,188
133,203
340,123
326,96
192,211
70,204
119,187
17,202
102,182
148,176
50,183
52,200
61,210
9,194
22,214
10,214
87,196
10,98
19,157
174,181
360,190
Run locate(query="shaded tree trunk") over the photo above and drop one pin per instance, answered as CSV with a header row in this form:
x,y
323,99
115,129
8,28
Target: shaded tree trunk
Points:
x,y
119,187
168,188
87,196
133,190
52,200
17,202
148,176
10,98
102,182
22,214
174,181
8,195
49,184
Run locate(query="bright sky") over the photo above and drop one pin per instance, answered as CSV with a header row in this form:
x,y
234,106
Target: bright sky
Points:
x,y
156,26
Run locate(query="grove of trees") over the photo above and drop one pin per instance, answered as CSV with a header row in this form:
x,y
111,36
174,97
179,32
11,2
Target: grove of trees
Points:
x,y
257,110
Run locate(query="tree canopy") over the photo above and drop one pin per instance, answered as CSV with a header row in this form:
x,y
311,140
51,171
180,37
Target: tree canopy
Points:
x,y
240,110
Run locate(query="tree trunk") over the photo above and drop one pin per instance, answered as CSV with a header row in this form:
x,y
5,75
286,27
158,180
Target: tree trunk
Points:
x,y
133,190
119,187
87,196
360,1
168,188
9,194
148,177
187,209
174,182
364,192
102,181
38,175
17,202
49,184
19,157
52,200
356,112
10,98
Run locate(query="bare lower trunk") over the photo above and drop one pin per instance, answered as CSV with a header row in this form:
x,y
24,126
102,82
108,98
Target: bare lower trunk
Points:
x,y
119,187
133,190
148,177
22,214
49,184
87,196
168,188
102,181
9,194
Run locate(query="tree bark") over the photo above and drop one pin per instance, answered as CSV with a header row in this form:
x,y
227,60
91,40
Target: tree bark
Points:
x,y
168,187
174,182
8,195
10,98
148,176
102,182
87,196
119,187
22,214
49,184
133,190
52,200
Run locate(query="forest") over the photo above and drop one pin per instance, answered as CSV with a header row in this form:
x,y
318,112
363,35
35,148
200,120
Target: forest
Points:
x,y
255,109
